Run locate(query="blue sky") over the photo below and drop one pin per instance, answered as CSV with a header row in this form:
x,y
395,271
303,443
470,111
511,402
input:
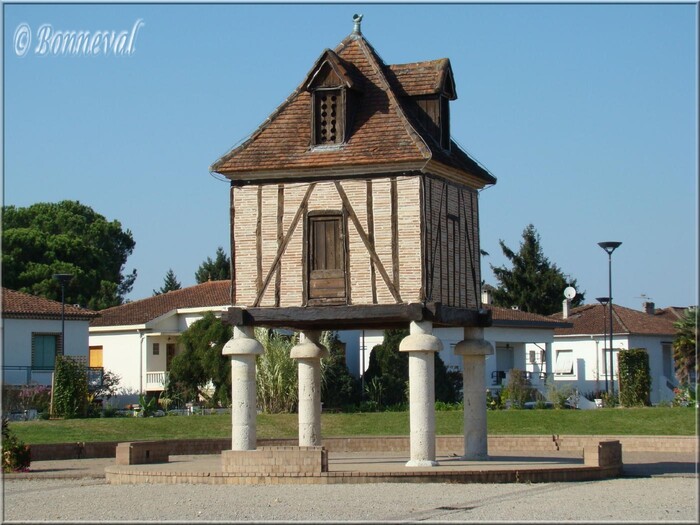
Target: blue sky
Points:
x,y
586,114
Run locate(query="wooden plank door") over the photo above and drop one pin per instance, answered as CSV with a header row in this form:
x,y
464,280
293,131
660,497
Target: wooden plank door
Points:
x,y
326,260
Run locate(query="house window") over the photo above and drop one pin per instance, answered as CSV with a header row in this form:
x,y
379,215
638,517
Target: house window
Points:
x,y
156,348
329,117
326,259
45,348
564,365
95,357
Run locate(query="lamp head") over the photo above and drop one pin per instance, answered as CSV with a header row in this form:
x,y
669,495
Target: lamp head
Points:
x,y
609,246
63,278
603,300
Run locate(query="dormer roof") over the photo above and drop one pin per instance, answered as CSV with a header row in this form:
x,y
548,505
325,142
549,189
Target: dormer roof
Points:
x,y
383,136
331,65
432,77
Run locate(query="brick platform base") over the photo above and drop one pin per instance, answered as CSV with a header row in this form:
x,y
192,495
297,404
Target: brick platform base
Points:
x,y
275,461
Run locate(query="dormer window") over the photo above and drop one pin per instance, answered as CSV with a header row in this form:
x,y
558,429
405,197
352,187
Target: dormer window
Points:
x,y
334,85
329,116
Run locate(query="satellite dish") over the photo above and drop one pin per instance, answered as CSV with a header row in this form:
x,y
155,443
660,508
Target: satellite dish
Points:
x,y
570,292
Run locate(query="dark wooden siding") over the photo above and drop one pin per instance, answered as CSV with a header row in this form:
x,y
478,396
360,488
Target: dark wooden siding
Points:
x,y
452,263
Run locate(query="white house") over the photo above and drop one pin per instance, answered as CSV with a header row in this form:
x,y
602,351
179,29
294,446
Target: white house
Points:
x,y
520,340
582,353
32,336
138,340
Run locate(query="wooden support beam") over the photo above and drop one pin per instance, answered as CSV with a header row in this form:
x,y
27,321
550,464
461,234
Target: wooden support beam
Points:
x,y
350,317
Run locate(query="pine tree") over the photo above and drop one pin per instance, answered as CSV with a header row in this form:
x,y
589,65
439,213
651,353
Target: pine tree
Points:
x,y
217,270
533,284
170,283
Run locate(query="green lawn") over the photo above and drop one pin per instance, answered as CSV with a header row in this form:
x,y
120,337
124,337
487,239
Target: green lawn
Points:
x,y
631,421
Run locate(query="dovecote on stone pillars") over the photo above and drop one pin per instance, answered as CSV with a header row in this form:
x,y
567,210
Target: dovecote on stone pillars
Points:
x,y
351,207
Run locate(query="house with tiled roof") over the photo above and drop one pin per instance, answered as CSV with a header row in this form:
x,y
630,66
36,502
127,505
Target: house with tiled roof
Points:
x,y
582,355
138,340
32,336
521,340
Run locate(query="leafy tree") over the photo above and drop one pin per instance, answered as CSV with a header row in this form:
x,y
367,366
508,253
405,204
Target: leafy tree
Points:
x,y
533,284
66,237
201,362
217,270
338,388
684,346
170,283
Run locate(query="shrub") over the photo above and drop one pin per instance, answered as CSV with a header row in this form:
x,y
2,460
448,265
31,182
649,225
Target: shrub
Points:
x,y
276,373
559,395
518,390
634,377
70,398
16,456
338,387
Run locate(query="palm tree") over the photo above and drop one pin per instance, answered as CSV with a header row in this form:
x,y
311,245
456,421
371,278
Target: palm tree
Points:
x,y
684,345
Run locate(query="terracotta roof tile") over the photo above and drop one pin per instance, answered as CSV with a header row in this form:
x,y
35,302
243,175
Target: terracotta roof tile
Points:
x,y
508,317
419,78
209,294
19,305
381,134
589,320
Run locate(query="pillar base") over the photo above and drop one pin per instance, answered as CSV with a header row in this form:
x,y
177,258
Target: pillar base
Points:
x,y
475,457
422,463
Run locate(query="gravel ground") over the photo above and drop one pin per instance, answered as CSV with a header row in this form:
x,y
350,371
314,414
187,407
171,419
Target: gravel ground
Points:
x,y
653,499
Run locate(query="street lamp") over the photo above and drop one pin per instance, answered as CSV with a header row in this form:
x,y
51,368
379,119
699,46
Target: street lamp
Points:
x,y
610,247
63,279
604,301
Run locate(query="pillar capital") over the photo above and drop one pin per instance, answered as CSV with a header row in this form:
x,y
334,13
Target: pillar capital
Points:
x,y
309,346
420,339
473,347
243,342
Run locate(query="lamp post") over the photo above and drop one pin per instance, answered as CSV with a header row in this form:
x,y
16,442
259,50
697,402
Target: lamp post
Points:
x,y
63,279
604,301
610,247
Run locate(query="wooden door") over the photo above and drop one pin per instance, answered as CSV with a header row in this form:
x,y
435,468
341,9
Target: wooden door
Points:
x,y
326,260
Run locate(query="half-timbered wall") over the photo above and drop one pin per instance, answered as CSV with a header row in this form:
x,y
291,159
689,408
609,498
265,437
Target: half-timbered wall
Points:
x,y
383,248
452,263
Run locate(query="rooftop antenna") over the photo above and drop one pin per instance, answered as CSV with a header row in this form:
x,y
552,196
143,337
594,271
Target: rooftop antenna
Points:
x,y
358,20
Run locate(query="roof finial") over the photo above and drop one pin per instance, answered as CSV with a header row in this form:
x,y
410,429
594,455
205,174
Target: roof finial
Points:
x,y
358,20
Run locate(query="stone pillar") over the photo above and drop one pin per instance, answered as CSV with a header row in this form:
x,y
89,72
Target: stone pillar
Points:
x,y
422,346
242,349
474,350
308,353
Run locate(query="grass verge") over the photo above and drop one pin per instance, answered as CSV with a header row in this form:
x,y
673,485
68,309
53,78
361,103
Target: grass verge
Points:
x,y
631,421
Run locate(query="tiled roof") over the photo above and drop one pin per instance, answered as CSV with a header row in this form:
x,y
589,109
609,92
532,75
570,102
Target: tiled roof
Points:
x,y
209,294
589,319
419,78
19,305
507,317
383,133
